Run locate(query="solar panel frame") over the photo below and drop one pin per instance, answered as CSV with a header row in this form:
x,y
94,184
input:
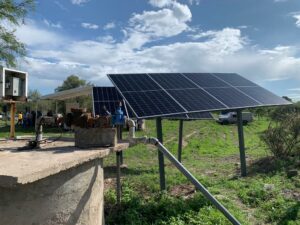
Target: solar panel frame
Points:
x,y
168,91
247,90
111,100
192,116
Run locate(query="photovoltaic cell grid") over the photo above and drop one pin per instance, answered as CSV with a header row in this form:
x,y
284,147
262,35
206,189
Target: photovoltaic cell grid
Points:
x,y
110,97
107,96
153,95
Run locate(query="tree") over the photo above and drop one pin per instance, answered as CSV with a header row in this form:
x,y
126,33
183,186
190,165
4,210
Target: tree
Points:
x,y
72,81
12,13
287,98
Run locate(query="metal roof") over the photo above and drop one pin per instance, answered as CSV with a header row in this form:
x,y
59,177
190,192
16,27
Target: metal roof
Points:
x,y
72,93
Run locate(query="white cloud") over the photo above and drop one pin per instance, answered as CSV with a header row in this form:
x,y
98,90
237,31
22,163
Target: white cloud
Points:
x,y
54,25
297,17
224,50
161,3
110,25
90,26
165,22
79,2
34,35
194,2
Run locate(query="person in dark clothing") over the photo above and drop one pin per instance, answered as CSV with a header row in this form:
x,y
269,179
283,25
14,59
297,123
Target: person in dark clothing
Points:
x,y
104,111
33,115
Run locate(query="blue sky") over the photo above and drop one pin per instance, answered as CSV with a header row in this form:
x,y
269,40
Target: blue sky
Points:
x,y
257,38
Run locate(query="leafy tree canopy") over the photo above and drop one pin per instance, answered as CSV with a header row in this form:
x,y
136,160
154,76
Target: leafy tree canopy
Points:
x,y
72,81
12,12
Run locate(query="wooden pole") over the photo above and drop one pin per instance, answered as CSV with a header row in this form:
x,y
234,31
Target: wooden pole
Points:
x,y
12,120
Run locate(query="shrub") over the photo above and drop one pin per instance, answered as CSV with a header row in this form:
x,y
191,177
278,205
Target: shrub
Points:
x,y
283,138
281,112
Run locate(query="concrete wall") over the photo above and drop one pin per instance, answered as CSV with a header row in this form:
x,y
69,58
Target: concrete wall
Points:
x,y
70,197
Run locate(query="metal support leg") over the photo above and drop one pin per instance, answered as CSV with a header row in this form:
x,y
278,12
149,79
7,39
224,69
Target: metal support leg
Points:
x,y
197,184
160,156
180,140
118,178
241,143
120,136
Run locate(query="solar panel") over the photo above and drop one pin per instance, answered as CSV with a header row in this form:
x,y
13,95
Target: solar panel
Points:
x,y
262,95
234,79
152,103
155,95
205,80
232,97
196,100
110,98
134,82
172,81
192,116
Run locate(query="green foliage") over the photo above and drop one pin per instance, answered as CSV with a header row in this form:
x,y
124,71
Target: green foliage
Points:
x,y
211,154
13,13
161,208
283,138
282,112
72,81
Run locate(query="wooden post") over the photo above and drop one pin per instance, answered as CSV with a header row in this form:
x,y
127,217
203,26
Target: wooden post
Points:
x,y
12,120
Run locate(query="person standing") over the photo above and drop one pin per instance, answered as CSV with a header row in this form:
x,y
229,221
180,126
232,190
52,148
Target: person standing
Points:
x,y
20,119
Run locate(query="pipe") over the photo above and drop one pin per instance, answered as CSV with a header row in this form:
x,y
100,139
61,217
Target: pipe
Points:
x,y
131,125
190,176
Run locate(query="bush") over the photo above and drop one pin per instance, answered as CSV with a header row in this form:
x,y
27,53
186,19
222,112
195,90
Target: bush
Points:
x,y
280,113
283,138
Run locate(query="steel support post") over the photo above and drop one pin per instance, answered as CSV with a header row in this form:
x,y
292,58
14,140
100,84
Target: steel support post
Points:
x,y
180,138
197,184
120,136
241,143
118,178
160,155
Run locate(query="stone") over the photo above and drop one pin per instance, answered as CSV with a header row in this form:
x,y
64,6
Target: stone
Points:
x,y
269,187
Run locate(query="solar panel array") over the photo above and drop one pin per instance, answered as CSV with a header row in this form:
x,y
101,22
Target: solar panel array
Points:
x,y
106,96
191,116
110,97
163,94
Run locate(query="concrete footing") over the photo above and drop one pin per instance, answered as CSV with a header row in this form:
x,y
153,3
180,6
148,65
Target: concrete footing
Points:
x,y
74,196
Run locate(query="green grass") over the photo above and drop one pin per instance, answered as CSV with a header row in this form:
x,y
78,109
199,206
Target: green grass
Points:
x,y
211,154
29,131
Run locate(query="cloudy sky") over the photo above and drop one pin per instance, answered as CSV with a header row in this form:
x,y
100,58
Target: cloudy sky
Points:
x,y
260,39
